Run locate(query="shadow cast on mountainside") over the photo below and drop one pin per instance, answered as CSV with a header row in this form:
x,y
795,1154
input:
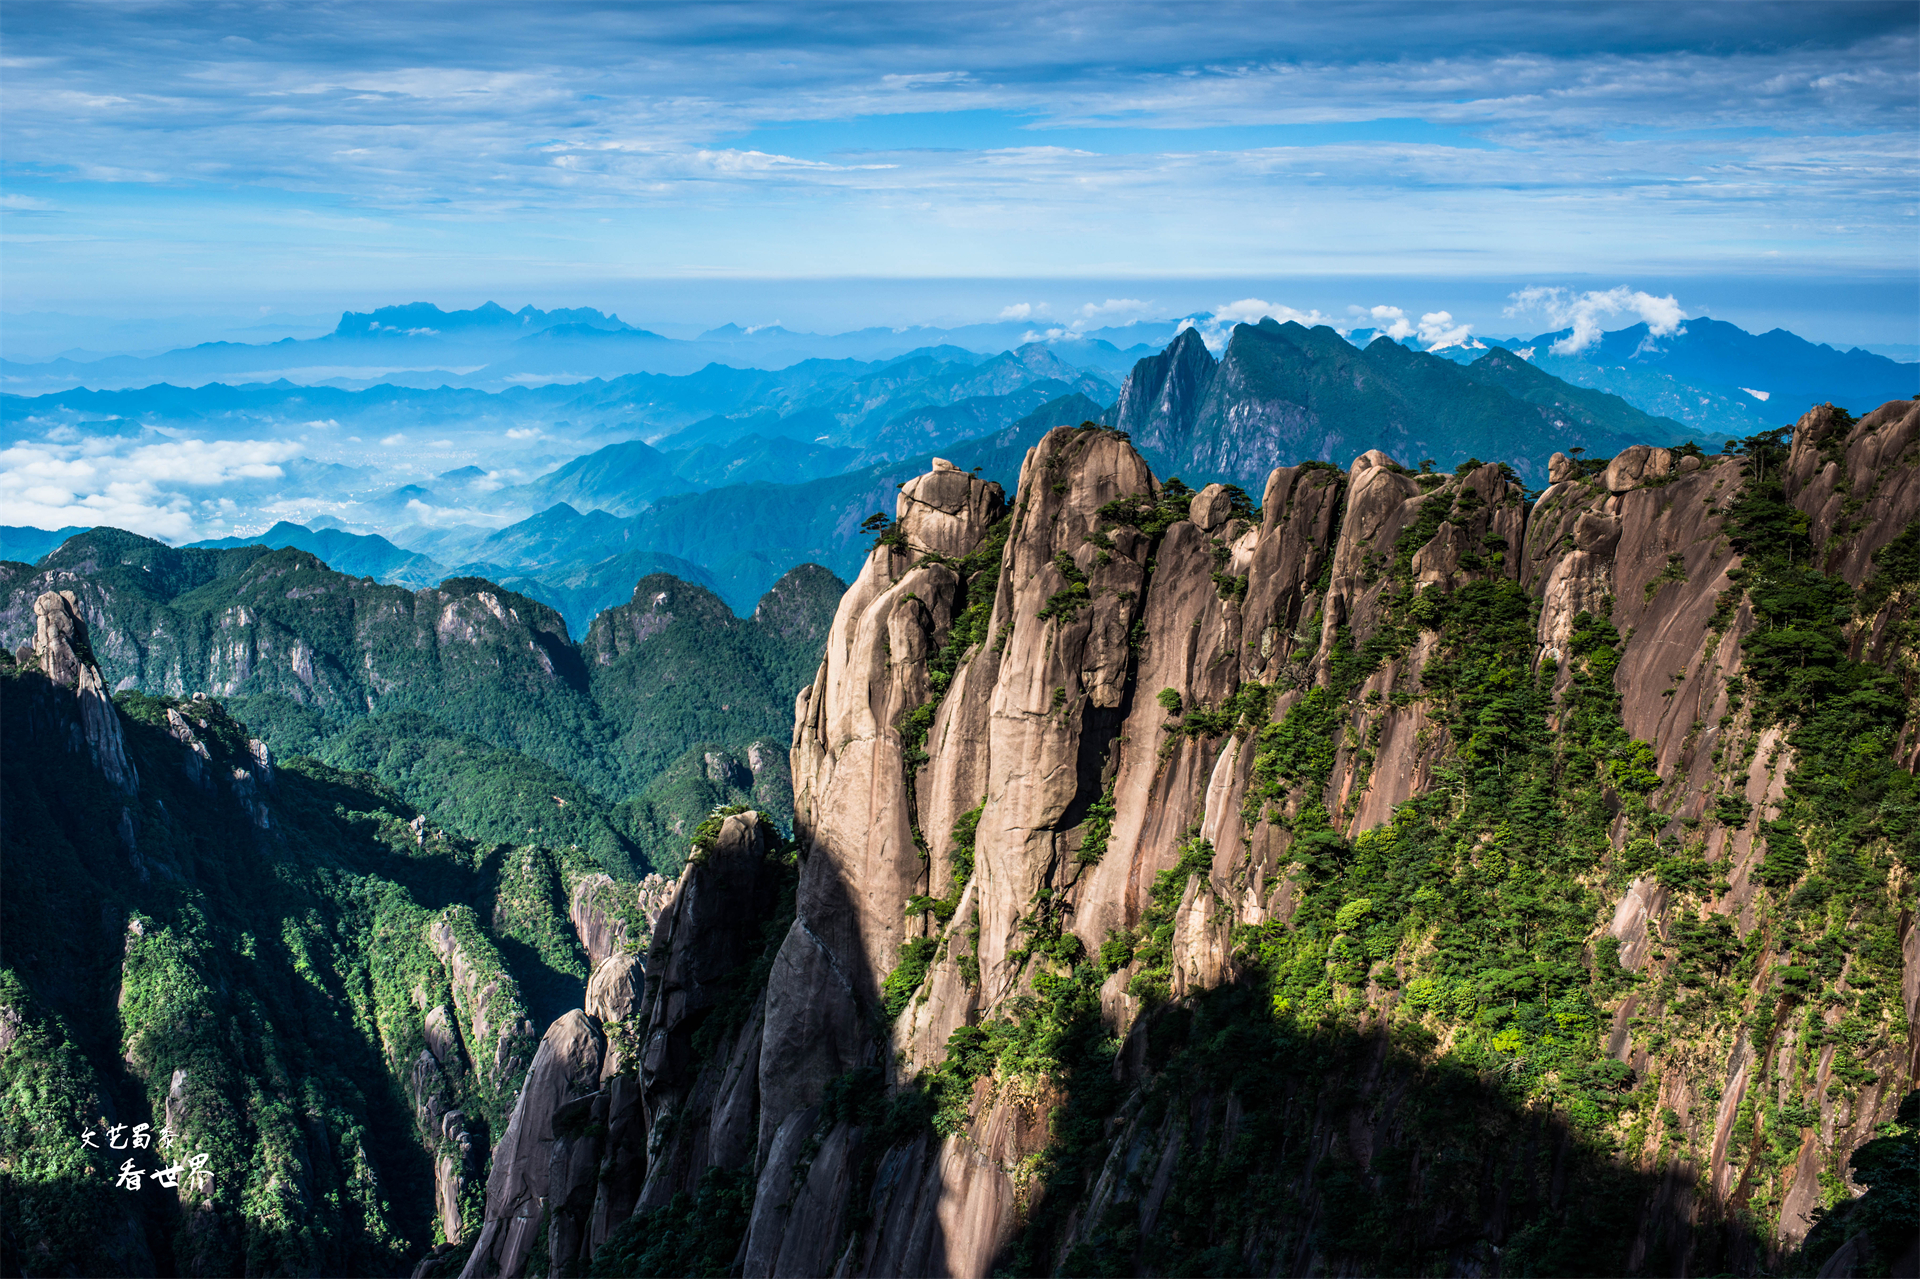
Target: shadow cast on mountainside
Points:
x,y
165,960
1235,1140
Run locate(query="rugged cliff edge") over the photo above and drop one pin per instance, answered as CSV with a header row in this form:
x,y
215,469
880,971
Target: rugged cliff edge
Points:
x,y
1408,873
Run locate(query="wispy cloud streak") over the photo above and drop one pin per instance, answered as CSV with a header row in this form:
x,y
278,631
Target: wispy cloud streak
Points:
x,y
1742,129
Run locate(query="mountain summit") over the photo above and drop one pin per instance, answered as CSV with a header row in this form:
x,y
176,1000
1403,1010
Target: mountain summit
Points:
x,y
1286,393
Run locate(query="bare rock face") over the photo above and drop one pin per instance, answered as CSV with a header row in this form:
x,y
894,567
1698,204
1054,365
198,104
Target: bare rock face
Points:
x,y
945,510
613,992
60,638
443,1037
601,932
61,648
1090,743
700,941
1301,509
1385,503
1211,507
852,815
1061,693
652,1115
1636,466
599,920
565,1069
1872,465
1654,558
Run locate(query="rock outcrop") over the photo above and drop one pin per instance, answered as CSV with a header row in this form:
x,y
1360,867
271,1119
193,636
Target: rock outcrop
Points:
x,y
1090,785
493,1018
61,648
1857,481
565,1071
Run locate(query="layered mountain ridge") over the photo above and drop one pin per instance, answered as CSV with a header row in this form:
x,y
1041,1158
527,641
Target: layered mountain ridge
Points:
x,y
1717,375
797,442
668,704
1399,875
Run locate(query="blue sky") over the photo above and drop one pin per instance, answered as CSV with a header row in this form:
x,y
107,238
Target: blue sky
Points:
x,y
751,161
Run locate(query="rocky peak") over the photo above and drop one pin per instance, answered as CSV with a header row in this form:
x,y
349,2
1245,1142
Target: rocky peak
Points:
x,y
1858,481
565,1070
60,638
1161,397
945,511
61,648
1640,464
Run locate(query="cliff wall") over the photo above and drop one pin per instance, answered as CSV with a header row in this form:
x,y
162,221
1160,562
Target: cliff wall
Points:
x,y
1404,874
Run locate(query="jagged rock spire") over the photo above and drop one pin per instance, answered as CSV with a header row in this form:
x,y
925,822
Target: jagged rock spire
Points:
x,y
61,647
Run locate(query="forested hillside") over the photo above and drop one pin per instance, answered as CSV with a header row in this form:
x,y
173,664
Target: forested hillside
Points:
x,y
578,740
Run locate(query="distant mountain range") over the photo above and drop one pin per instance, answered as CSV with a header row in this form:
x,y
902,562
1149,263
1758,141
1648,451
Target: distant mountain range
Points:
x,y
558,557
490,347
1713,375
728,476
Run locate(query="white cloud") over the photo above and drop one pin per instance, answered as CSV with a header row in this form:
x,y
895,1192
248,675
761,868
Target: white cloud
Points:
x,y
1112,308
917,79
1582,312
419,512
523,433
1684,146
1437,330
394,440
1090,315
543,379
1391,321
52,483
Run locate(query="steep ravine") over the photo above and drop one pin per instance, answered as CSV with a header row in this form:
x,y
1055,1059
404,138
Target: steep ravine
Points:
x,y
284,965
1403,875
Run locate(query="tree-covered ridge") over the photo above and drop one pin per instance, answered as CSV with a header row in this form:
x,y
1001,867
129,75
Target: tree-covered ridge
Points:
x,y
305,653
674,666
664,817
252,955
467,784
